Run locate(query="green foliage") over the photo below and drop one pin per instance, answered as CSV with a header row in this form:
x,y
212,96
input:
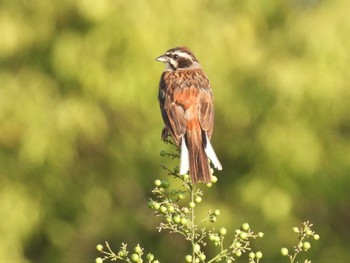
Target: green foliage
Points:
x,y
80,124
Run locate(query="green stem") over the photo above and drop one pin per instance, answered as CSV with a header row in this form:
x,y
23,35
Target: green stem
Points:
x,y
193,230
218,256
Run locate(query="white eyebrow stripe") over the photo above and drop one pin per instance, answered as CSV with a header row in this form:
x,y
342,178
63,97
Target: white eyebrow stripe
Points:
x,y
180,54
184,55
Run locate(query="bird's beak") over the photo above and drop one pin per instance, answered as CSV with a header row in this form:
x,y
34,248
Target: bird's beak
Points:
x,y
162,58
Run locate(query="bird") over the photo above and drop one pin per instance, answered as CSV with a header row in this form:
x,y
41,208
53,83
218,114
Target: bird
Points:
x,y
186,104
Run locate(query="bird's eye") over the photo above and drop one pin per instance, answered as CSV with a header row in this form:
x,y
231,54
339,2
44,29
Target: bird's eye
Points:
x,y
176,56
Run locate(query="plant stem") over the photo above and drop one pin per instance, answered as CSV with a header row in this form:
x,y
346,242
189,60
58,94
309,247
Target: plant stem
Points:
x,y
193,230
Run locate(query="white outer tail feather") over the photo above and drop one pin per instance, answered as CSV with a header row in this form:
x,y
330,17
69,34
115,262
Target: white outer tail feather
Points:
x,y
211,155
185,159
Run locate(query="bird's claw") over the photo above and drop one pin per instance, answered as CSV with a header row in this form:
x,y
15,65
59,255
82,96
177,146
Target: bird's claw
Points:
x,y
165,134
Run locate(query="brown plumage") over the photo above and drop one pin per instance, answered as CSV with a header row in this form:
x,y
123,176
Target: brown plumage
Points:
x,y
186,104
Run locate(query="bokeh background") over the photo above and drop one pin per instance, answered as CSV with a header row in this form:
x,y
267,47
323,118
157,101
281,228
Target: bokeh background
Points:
x,y
80,123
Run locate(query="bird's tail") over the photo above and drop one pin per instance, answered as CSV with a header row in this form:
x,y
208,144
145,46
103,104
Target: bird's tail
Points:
x,y
194,157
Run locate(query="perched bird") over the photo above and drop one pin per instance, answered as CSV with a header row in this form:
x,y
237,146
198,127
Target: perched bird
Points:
x,y
186,104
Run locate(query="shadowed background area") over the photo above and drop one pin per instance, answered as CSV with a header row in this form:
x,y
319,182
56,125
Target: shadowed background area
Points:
x,y
80,122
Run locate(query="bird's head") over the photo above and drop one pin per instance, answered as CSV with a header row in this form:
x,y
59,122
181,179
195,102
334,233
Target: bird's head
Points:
x,y
179,58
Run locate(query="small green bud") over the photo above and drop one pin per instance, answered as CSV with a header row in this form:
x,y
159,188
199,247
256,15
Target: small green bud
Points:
x,y
150,257
150,204
98,260
245,226
259,255
243,235
212,237
185,210
137,249
295,229
238,253
171,208
209,185
165,183
192,204
306,245
156,205
188,258
214,179
223,231
135,257
122,253
197,248
260,234
158,182
217,239
238,244
252,255
183,221
181,196
238,231
198,199
316,237
168,219
308,232
186,177
156,261
217,212
196,260
99,247
176,219
163,209
202,257
284,251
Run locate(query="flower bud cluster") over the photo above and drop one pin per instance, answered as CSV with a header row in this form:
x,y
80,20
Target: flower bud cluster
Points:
x,y
177,208
200,256
304,232
241,243
123,254
166,204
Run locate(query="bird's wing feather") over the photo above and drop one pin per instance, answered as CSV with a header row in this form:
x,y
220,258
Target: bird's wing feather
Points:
x,y
177,121
206,111
172,112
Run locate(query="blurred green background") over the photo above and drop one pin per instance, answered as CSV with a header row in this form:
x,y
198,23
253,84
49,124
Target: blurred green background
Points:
x,y
80,122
